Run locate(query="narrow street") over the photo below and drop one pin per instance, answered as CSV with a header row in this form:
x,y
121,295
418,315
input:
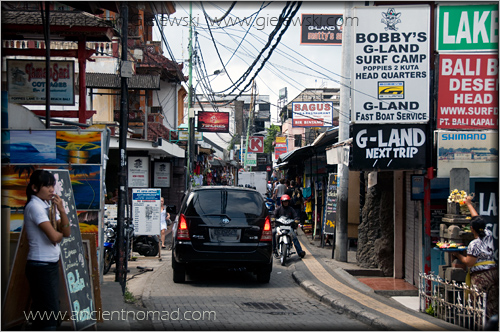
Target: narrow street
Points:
x,y
222,300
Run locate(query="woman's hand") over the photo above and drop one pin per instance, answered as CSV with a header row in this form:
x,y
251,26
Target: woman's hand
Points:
x,y
58,201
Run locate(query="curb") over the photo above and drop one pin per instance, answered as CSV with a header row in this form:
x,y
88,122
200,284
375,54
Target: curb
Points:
x,y
338,304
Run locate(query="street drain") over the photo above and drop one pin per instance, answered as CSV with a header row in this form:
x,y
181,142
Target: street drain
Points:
x,y
265,306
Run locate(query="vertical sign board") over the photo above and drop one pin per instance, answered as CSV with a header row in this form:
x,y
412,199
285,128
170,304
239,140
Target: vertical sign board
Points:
x,y
280,147
146,211
162,174
138,172
331,205
391,66
467,28
382,147
474,150
487,207
468,91
76,272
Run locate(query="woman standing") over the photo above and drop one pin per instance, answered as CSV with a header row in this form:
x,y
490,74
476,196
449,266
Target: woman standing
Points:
x,y
479,258
163,222
45,229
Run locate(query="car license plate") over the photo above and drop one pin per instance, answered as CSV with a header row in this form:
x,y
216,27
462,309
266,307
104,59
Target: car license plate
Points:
x,y
225,235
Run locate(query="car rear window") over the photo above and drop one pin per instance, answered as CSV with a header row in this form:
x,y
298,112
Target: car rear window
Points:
x,y
234,203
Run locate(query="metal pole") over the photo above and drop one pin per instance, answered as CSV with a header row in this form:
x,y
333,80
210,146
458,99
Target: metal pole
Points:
x,y
343,170
121,271
250,118
190,101
47,65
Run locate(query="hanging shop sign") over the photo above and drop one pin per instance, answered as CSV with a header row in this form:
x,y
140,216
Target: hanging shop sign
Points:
x,y
146,211
468,91
183,135
391,65
312,114
162,174
474,150
467,28
321,29
381,147
213,122
280,147
138,170
26,81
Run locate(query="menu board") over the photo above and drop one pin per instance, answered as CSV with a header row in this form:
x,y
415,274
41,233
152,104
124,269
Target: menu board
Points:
x,y
331,205
76,272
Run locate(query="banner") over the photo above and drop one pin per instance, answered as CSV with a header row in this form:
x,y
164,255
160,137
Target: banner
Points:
x,y
321,29
213,122
467,28
391,65
27,79
280,147
382,147
468,91
312,114
474,150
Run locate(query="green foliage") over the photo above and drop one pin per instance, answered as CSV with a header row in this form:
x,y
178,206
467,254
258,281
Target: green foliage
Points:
x,y
129,297
430,310
270,138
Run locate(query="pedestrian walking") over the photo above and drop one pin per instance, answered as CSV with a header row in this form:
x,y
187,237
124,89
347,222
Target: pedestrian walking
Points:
x,y
279,191
165,218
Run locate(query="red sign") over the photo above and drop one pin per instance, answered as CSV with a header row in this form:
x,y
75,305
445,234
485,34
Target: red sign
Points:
x,y
213,122
268,168
468,91
256,144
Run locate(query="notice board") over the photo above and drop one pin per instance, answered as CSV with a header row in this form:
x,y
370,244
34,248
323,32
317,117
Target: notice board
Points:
x,y
331,205
146,211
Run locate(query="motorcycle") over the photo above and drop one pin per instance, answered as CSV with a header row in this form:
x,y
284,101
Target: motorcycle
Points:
x,y
146,245
284,228
109,247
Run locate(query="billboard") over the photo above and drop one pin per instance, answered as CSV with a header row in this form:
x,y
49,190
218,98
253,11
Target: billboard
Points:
x,y
467,28
213,122
391,65
468,91
312,114
474,150
382,147
26,81
321,29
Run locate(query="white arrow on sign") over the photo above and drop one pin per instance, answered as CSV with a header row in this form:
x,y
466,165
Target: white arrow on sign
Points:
x,y
256,144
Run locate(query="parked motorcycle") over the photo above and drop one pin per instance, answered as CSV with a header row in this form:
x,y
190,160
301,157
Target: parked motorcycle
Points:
x,y
109,247
146,245
284,228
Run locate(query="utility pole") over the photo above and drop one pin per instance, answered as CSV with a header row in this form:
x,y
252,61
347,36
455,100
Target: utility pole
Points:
x,y
121,272
340,250
47,64
190,146
250,121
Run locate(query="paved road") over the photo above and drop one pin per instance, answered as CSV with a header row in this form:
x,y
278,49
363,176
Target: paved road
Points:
x,y
222,300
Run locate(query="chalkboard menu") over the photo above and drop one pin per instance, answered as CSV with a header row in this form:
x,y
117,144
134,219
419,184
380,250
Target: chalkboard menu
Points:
x,y
76,272
331,205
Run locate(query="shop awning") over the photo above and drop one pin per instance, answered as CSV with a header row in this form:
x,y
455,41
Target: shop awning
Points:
x,y
166,149
296,155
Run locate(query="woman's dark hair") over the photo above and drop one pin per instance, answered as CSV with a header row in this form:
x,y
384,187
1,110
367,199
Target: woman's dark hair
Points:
x,y
478,224
38,179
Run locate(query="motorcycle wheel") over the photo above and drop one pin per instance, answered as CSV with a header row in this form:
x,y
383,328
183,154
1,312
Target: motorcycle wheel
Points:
x,y
108,261
284,253
151,250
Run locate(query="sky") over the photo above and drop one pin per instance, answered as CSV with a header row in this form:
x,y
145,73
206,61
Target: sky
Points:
x,y
291,64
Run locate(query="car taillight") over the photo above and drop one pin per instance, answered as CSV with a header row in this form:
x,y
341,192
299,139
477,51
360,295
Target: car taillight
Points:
x,y
182,231
267,232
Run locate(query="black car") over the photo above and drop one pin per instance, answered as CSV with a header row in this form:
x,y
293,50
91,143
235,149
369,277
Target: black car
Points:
x,y
222,226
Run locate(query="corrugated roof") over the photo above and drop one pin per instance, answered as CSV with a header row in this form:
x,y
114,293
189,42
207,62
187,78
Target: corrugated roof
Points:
x,y
113,81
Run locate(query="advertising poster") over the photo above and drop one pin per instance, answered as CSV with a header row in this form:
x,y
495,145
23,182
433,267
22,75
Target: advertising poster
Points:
x,y
391,65
486,198
27,78
213,122
472,27
468,91
138,170
474,150
162,174
321,29
396,147
146,211
312,114
331,205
